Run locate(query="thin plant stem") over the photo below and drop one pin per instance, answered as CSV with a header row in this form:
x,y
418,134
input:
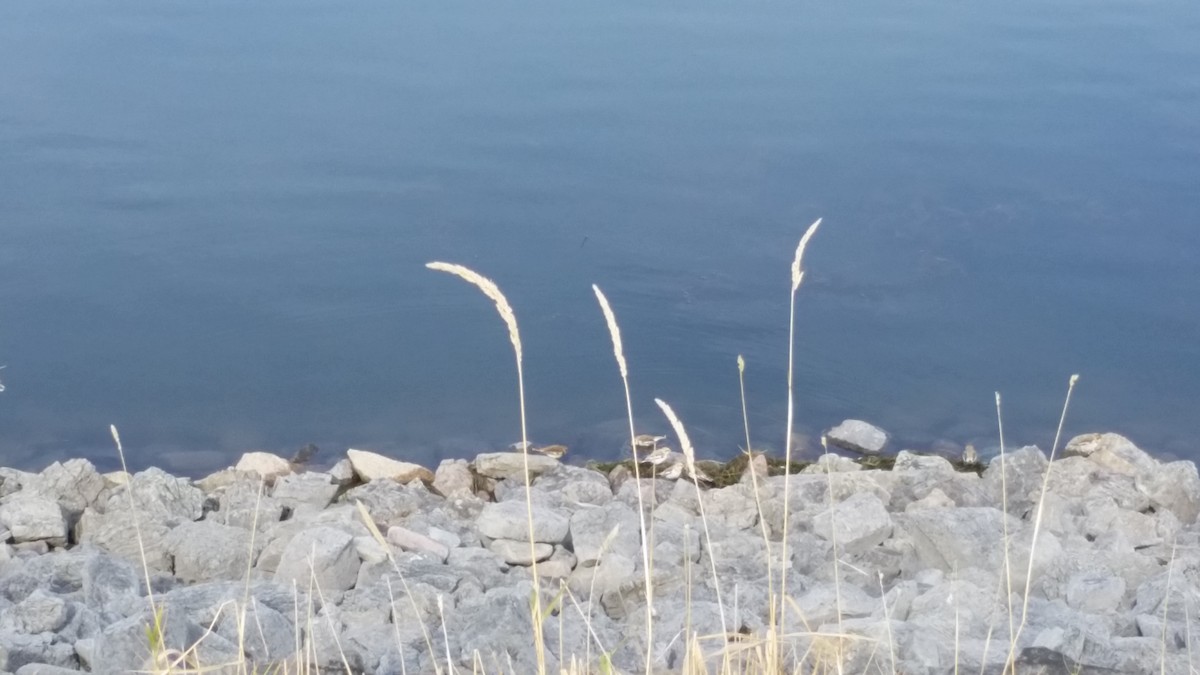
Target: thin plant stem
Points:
x,y
492,291
1037,521
689,457
797,278
1004,522
741,362
614,331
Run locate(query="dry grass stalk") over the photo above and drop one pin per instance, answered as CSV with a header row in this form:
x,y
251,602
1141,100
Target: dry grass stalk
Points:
x,y
797,278
1004,521
1037,520
614,330
762,522
492,291
689,457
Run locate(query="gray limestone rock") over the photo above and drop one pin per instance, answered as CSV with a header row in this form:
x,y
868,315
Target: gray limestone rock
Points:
x,y
74,484
1095,592
389,502
19,649
32,517
40,612
208,551
733,507
323,555
1018,473
856,524
247,503
592,532
572,486
310,488
510,520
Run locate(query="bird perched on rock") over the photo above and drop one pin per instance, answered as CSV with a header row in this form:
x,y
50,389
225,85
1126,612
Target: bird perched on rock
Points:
x,y
970,456
646,442
521,446
700,476
555,451
659,455
672,472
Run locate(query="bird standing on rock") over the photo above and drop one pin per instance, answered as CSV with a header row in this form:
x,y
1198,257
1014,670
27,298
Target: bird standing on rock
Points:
x,y
970,456
554,451
672,472
659,456
646,442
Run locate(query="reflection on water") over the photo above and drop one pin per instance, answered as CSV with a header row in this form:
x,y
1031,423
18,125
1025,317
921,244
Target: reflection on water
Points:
x,y
215,218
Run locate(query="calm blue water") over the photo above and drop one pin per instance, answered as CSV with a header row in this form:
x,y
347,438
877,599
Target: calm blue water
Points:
x,y
214,219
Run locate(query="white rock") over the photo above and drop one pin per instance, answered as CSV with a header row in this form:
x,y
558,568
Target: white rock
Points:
x,y
265,464
369,466
858,436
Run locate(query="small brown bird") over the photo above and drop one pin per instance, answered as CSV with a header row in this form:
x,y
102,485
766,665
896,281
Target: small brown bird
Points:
x,y
659,455
672,472
555,451
646,442
702,477
970,456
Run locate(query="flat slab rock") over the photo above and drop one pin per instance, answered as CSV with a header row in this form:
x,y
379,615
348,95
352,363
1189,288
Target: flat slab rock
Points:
x,y
858,436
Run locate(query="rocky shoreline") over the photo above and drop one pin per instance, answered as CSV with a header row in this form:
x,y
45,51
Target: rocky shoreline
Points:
x,y
896,571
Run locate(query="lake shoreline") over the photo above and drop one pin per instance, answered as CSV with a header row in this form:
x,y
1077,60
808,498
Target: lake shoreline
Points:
x,y
385,566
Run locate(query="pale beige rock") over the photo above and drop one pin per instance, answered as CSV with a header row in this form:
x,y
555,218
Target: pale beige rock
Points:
x,y
516,552
408,540
116,478
453,478
224,478
265,464
369,466
511,465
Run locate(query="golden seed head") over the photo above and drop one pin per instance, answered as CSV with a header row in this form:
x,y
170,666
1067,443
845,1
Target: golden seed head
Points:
x,y
613,329
797,263
492,291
